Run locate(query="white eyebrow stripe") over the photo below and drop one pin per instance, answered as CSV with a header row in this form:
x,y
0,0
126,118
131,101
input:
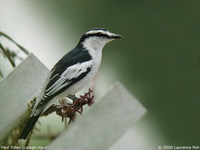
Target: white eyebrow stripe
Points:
x,y
97,31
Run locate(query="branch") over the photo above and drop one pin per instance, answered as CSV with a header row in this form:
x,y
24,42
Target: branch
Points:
x,y
9,38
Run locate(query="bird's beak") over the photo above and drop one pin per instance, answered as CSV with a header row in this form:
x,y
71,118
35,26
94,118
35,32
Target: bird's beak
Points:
x,y
116,36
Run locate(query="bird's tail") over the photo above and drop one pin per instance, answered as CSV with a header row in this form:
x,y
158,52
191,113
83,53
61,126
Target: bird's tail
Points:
x,y
29,126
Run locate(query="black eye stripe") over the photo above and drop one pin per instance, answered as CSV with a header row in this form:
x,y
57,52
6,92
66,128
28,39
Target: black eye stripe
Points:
x,y
98,34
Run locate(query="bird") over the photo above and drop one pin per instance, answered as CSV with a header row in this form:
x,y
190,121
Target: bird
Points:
x,y
71,73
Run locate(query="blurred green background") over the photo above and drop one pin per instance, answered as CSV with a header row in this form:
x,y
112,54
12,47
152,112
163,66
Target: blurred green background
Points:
x,y
158,58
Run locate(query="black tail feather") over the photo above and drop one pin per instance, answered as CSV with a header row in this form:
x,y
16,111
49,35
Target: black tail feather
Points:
x,y
29,126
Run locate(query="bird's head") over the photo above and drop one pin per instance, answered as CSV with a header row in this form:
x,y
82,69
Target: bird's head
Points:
x,y
97,38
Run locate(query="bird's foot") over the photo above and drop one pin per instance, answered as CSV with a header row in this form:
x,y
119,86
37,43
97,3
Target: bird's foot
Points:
x,y
68,110
72,97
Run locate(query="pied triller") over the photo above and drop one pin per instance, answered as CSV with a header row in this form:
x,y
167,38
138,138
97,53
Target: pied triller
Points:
x,y
71,73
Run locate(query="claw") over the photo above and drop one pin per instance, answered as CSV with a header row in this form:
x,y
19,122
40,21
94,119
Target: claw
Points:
x,y
68,110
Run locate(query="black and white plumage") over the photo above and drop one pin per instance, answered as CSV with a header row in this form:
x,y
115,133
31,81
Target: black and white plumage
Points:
x,y
71,73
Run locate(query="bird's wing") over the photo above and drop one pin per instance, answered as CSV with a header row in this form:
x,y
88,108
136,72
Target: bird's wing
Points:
x,y
69,70
70,75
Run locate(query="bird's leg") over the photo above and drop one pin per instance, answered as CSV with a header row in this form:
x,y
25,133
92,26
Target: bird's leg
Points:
x,y
72,97
68,110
